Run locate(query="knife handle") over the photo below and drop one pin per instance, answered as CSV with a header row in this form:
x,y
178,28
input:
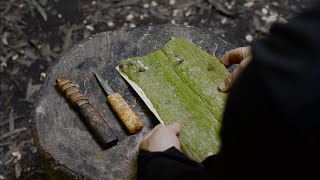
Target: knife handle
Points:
x,y
129,119
98,126
91,117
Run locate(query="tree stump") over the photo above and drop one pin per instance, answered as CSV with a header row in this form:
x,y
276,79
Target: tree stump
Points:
x,y
66,147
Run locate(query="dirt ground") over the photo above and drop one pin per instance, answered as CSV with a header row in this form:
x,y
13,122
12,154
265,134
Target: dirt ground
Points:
x,y
34,32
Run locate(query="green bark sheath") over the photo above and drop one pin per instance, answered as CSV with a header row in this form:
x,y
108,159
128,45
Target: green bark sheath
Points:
x,y
181,82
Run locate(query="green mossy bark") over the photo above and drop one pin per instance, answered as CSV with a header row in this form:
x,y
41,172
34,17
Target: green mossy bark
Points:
x,y
181,82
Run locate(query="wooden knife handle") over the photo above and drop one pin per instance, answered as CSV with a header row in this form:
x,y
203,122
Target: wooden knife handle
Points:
x,y
91,117
98,126
129,119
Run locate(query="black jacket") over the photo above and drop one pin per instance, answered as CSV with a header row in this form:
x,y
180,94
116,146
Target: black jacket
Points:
x,y
271,125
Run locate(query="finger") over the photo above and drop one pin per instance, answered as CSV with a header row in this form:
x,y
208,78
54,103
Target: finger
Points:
x,y
228,83
235,56
175,128
244,63
152,131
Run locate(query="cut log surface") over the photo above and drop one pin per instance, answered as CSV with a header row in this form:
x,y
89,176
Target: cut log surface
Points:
x,y
65,145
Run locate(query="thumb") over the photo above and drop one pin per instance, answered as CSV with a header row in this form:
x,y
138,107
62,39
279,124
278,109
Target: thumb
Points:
x,y
175,128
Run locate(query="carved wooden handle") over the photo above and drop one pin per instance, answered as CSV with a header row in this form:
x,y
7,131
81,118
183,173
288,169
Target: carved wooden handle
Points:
x,y
130,120
93,120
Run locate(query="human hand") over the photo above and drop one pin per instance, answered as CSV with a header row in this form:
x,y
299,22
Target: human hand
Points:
x,y
161,138
241,56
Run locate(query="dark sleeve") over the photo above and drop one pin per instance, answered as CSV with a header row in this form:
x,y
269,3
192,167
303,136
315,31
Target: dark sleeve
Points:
x,y
170,164
271,122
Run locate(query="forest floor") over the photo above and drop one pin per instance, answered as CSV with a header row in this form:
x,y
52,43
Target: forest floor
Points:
x,y
34,32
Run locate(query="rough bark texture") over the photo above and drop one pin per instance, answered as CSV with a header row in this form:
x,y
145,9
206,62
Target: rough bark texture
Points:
x,y
64,143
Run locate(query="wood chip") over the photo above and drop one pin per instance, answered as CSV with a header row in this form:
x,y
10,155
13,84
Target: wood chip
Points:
x,y
40,10
90,28
154,3
17,155
248,4
146,5
11,121
17,170
172,2
129,17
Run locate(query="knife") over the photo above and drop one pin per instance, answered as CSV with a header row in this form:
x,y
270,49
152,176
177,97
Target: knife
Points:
x,y
128,118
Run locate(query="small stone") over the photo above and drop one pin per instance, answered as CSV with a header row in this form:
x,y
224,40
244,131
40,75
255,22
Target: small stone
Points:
x,y
186,23
2,177
141,17
90,28
228,5
129,17
175,12
34,150
110,23
264,11
223,20
93,3
132,25
42,76
249,38
146,5
188,13
248,4
15,57
153,3
3,64
172,2
173,21
275,4
59,16
84,21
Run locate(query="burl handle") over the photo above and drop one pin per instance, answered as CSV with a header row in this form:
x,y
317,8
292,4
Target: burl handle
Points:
x,y
130,120
94,121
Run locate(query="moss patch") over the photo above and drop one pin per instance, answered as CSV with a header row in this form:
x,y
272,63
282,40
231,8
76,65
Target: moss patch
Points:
x,y
181,82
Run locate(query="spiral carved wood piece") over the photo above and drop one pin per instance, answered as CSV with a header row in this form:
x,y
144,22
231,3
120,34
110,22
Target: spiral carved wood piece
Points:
x,y
71,92
96,124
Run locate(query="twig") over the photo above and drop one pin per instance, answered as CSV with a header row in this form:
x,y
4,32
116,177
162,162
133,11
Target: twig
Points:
x,y
3,123
8,100
7,8
7,158
218,4
11,121
40,10
8,134
5,144
16,83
